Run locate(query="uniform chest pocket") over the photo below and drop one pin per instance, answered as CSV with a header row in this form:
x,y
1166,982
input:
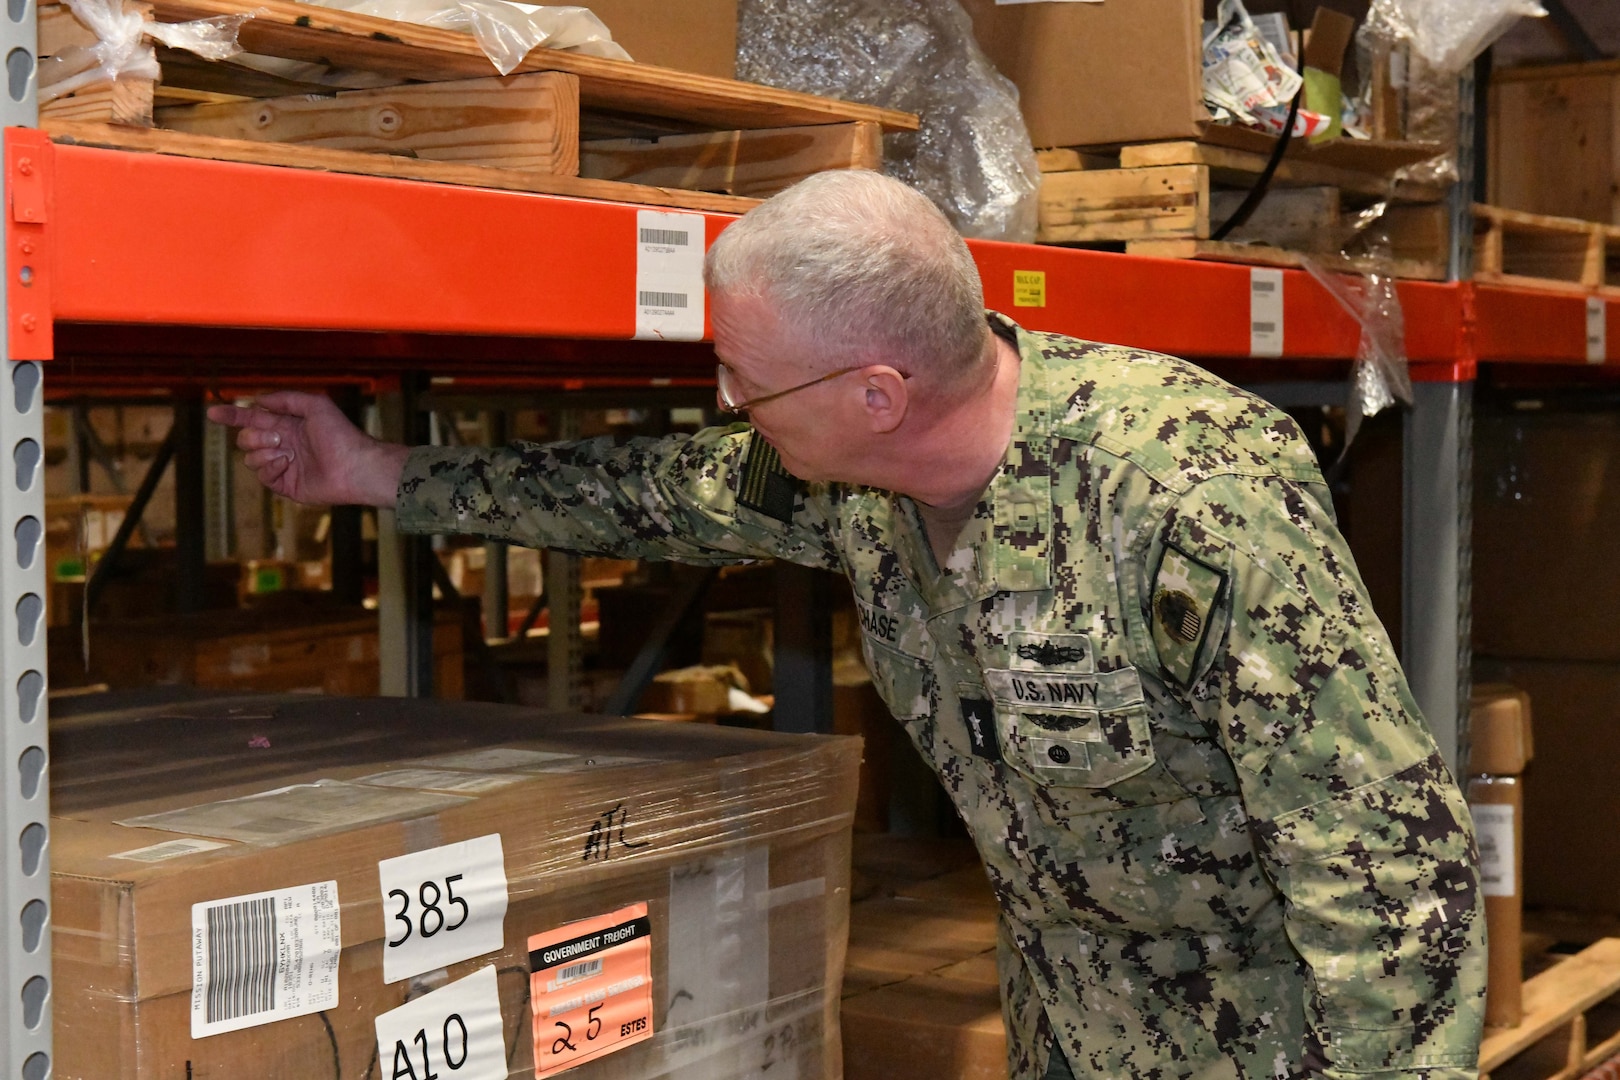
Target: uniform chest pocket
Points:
x,y
1089,734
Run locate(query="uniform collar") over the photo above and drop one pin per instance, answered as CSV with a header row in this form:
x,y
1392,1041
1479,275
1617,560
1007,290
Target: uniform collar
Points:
x,y
1004,548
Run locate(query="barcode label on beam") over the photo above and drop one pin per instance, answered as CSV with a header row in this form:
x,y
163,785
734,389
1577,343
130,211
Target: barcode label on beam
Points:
x,y
264,957
669,276
1597,330
1265,312
667,237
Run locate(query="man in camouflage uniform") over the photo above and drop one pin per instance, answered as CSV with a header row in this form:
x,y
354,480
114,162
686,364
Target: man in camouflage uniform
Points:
x,y
1104,594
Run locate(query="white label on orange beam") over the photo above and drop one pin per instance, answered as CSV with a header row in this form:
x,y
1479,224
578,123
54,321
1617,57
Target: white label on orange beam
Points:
x,y
1265,312
1597,330
669,276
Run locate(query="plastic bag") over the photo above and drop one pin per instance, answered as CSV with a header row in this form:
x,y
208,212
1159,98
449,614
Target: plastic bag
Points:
x,y
972,156
1448,34
1379,377
121,48
507,32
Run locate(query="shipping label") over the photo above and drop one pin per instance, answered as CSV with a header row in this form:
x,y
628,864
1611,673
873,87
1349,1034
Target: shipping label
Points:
x,y
590,988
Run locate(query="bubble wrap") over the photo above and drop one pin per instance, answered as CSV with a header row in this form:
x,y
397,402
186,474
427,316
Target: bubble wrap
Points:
x,y
972,156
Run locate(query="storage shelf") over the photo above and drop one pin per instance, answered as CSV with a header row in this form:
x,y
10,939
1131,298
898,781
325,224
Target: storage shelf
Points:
x,y
292,269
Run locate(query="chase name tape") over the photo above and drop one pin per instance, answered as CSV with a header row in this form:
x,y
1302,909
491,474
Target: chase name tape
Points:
x,y
564,952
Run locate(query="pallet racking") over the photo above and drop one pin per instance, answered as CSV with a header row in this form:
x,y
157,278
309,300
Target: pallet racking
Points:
x,y
151,270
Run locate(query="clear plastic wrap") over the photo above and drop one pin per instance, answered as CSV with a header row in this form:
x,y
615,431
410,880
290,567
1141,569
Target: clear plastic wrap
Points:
x,y
1448,34
122,48
972,156
1379,377
736,842
507,32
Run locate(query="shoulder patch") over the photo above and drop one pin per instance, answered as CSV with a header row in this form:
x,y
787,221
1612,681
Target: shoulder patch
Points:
x,y
1186,592
767,487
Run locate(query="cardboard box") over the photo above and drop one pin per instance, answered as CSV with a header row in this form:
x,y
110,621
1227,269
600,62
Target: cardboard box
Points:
x,y
1571,859
699,36
305,648
1552,145
1091,74
1499,739
1500,748
1546,512
737,842
922,994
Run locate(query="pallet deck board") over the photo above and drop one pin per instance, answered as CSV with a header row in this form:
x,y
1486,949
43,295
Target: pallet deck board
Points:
x,y
385,165
1557,998
409,52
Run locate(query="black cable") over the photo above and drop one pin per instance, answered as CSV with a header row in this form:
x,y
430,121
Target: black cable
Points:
x,y
1257,193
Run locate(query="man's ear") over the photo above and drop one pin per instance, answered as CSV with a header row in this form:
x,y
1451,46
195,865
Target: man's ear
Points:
x,y
885,398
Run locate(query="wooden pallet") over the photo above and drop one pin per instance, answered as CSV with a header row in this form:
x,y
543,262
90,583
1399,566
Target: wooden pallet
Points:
x,y
1540,252
1165,200
561,123
1554,1041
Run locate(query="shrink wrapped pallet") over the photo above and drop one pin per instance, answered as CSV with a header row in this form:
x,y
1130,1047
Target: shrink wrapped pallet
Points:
x,y
287,887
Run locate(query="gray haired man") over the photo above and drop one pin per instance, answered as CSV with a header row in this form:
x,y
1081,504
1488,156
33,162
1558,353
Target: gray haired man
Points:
x,y
1104,595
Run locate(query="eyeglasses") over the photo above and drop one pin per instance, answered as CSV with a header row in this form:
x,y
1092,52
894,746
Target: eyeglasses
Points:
x,y
725,393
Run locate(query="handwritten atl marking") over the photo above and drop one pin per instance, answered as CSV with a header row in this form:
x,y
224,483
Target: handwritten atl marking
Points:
x,y
600,841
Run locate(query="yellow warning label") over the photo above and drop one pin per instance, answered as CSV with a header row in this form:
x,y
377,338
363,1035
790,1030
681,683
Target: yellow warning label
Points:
x,y
1029,288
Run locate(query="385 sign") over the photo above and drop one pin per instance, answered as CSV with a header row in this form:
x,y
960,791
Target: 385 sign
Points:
x,y
442,905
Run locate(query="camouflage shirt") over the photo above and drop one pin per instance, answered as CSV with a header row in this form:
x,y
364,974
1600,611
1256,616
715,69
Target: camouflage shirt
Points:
x,y
1149,677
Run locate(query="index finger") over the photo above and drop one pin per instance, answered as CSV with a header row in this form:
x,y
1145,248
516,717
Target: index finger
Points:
x,y
238,417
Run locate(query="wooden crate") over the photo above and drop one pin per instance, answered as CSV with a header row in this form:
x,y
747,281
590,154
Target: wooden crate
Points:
x,y
1538,251
1554,1042
1553,140
562,123
1166,200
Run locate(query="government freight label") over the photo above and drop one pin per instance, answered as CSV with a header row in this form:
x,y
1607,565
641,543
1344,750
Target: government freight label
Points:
x,y
590,988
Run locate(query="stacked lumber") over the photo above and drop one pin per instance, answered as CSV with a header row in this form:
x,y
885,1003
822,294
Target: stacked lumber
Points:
x,y
1167,200
561,123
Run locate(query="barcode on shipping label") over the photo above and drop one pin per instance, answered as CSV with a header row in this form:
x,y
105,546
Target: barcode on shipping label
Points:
x,y
573,973
169,849
1265,312
669,276
668,237
1597,330
264,957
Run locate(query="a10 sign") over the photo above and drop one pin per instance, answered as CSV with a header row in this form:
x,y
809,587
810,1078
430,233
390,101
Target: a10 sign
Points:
x,y
442,906
454,1033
